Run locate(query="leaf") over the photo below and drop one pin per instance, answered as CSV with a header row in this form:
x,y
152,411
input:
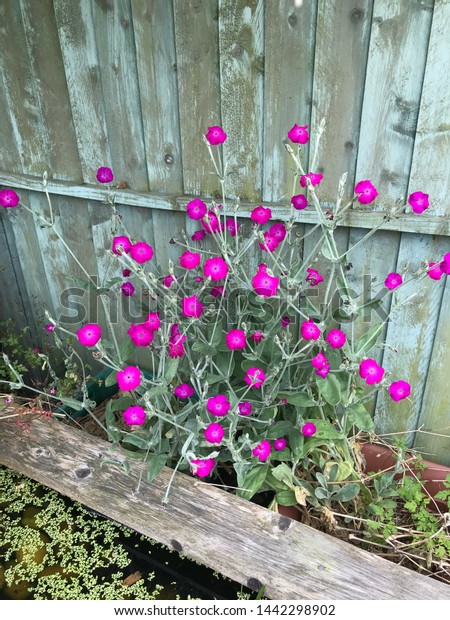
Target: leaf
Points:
x,y
171,369
321,493
286,498
296,444
253,481
300,495
347,493
120,404
324,430
366,342
326,251
111,379
157,390
204,348
279,429
300,399
358,415
339,471
212,379
126,349
284,474
330,389
136,440
156,462
217,337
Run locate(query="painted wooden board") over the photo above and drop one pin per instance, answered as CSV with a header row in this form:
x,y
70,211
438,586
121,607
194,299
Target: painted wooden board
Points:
x,y
289,40
358,218
342,39
84,82
207,524
413,329
197,64
241,44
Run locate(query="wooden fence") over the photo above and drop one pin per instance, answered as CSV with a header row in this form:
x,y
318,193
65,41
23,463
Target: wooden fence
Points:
x,y
133,84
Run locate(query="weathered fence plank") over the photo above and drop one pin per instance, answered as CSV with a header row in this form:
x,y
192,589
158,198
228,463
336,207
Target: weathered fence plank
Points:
x,y
208,525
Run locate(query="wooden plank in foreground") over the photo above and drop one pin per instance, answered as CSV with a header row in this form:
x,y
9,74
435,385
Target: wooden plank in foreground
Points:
x,y
243,541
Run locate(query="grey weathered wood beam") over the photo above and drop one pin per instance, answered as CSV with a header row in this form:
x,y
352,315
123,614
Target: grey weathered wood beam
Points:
x,y
243,541
355,218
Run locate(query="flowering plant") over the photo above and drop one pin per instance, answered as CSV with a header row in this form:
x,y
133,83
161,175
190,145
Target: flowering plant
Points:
x,y
244,371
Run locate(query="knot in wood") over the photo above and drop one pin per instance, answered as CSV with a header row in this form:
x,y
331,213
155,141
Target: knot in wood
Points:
x,y
169,159
292,19
82,472
356,15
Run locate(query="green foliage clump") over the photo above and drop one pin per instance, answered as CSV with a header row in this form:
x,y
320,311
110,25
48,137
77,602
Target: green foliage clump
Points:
x,y
13,344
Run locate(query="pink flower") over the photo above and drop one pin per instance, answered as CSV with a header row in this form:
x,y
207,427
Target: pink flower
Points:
x,y
9,198
216,135
202,467
196,209
214,433
399,390
134,415
336,339
232,227
323,371
261,215
53,391
218,405
285,321
255,377
190,260
280,444
270,243
299,134
445,265
245,408
264,284
199,279
215,268
393,280
192,306
419,202
169,280
257,336
236,339
278,231
152,322
211,223
141,252
183,391
126,273
121,245
309,330
198,235
104,175
370,371
436,272
367,192
218,291
49,328
314,278
262,450
314,178
140,335
299,202
175,332
89,335
127,289
176,350
319,361
309,429
129,378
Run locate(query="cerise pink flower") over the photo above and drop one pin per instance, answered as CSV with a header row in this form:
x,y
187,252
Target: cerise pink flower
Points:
x,y
232,227
236,339
129,378
169,280
176,350
255,377
140,335
262,450
370,371
9,198
202,467
265,284
445,264
196,209
285,321
418,202
261,215
270,243
183,391
198,235
313,277
435,271
299,202
89,335
141,252
134,415
323,371
49,328
192,306
104,175
127,289
308,429
309,330
190,260
366,192
126,273
336,339
216,135
299,134
218,405
319,361
152,322
314,179
245,408
393,280
214,433
218,291
257,336
280,443
278,231
211,223
121,245
399,390
215,268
